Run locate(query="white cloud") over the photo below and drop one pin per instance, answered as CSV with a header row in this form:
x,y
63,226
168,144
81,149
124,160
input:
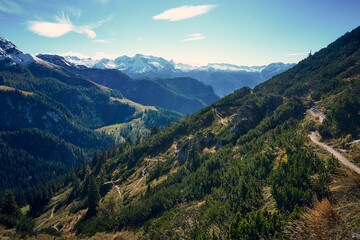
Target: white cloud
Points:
x,y
62,26
194,37
296,54
101,41
49,29
85,30
184,12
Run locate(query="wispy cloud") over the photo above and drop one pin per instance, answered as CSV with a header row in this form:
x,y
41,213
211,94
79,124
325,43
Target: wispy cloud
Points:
x,y
9,6
194,37
101,41
72,11
183,12
296,54
63,25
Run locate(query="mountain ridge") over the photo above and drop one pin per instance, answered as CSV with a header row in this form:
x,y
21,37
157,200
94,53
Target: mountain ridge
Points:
x,y
224,78
147,91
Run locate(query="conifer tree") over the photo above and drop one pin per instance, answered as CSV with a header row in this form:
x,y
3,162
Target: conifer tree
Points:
x,y
93,197
10,206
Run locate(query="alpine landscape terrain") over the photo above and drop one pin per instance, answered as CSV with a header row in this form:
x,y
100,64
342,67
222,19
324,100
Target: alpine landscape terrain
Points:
x,y
236,132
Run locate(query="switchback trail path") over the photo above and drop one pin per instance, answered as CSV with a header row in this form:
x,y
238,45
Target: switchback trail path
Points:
x,y
221,119
116,186
315,111
52,213
338,155
148,159
143,172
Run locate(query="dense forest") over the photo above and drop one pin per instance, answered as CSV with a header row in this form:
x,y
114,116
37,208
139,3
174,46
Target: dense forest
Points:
x,y
48,120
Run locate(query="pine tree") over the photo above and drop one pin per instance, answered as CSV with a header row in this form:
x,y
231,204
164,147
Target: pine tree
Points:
x,y
93,197
193,155
10,206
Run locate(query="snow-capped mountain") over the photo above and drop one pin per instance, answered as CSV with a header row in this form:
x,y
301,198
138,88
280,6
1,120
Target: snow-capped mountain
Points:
x,y
137,65
57,60
8,51
274,69
223,77
230,67
145,64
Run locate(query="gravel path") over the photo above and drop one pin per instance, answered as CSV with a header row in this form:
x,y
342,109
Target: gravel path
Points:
x,y
338,155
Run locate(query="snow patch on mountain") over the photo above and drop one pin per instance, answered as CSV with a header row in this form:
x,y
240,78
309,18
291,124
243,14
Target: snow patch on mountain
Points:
x,y
9,51
141,64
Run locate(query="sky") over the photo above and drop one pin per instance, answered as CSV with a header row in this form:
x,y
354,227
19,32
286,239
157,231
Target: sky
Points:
x,y
197,32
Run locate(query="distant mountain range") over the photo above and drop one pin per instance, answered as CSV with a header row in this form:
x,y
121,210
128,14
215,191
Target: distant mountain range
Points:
x,y
224,78
181,94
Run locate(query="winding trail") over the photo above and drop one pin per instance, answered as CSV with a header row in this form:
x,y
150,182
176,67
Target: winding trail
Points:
x,y
116,186
142,177
221,119
52,213
356,141
148,159
315,111
338,155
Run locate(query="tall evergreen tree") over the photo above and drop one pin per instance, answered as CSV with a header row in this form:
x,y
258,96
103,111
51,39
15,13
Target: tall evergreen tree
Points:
x,y
93,197
10,206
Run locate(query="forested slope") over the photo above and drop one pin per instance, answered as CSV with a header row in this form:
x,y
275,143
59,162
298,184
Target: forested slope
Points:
x,y
241,168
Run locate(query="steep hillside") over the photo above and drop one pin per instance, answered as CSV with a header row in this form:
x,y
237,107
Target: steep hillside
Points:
x,y
242,168
36,157
41,100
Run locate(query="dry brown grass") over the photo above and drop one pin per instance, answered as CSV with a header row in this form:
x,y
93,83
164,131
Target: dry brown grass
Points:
x,y
321,222
209,150
269,201
6,88
351,179
280,156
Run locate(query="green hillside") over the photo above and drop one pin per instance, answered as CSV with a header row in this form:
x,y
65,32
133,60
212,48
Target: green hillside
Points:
x,y
241,168
57,112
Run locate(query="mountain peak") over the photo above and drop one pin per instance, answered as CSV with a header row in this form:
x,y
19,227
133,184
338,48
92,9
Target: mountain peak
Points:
x,y
9,51
55,59
7,45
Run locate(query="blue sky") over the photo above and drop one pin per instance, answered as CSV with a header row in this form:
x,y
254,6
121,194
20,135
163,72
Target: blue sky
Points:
x,y
242,32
